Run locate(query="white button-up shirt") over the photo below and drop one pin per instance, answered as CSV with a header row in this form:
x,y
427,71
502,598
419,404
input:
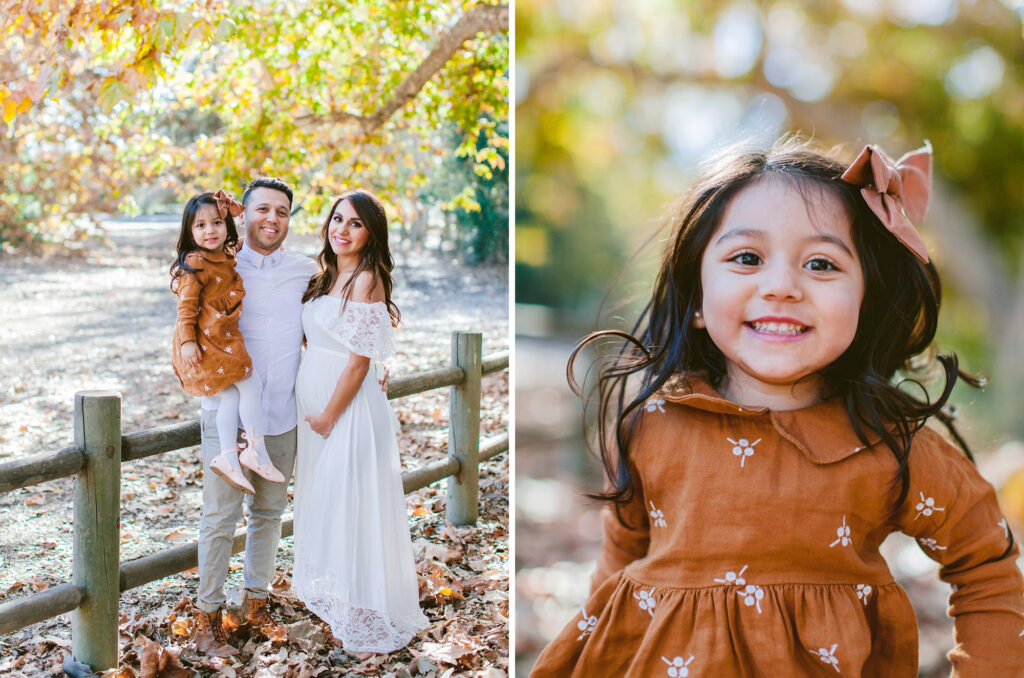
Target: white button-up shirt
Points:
x,y
271,325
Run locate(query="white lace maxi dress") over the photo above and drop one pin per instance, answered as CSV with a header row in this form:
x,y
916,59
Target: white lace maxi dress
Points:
x,y
353,556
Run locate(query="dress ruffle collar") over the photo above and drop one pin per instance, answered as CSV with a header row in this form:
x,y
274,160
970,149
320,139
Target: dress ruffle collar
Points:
x,y
823,431
214,257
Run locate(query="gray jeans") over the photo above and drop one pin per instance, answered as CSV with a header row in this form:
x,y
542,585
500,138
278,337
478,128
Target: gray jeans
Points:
x,y
222,509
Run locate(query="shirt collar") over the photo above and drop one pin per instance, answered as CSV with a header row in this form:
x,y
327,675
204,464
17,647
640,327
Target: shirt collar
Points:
x,y
257,260
822,432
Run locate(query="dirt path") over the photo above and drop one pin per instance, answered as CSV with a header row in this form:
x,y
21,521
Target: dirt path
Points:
x,y
102,319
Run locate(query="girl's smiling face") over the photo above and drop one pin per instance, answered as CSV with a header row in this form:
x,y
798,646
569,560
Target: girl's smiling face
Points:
x,y
347,234
209,229
782,288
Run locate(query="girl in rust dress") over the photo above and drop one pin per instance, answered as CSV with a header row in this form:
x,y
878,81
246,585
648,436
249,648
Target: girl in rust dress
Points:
x,y
759,450
208,353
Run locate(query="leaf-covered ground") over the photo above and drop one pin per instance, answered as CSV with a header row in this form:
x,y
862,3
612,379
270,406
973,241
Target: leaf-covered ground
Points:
x,y
102,318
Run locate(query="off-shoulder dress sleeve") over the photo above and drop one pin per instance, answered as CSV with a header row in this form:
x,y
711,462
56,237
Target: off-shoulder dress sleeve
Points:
x,y
954,515
364,328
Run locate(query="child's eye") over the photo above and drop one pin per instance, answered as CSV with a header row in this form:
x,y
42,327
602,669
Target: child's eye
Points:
x,y
820,265
746,259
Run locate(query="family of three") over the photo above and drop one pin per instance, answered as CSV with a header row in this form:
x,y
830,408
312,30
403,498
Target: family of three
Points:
x,y
320,411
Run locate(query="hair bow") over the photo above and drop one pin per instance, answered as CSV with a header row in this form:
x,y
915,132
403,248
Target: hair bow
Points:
x,y
897,192
226,204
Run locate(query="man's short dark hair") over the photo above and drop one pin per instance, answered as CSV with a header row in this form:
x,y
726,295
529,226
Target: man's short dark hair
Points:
x,y
267,182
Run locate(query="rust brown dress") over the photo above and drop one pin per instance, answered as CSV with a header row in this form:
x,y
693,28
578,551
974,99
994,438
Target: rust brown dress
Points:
x,y
209,304
753,550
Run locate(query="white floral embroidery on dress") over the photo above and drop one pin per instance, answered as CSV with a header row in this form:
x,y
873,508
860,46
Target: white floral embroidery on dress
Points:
x,y
843,532
828,656
734,578
743,448
678,668
218,278
657,516
863,591
932,544
227,349
752,595
926,506
206,331
587,624
220,370
655,404
646,601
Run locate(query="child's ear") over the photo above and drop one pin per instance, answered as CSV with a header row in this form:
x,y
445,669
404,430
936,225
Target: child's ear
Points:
x,y
698,319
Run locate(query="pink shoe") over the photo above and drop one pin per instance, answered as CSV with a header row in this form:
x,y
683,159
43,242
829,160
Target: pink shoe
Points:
x,y
250,460
231,475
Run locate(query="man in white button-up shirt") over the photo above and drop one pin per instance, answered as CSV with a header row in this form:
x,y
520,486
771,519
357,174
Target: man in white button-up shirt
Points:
x,y
271,324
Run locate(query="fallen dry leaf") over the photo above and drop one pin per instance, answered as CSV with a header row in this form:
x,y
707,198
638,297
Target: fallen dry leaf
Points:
x,y
156,661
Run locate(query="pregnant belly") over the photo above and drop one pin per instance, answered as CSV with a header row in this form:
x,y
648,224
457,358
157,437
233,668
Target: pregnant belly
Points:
x,y
318,377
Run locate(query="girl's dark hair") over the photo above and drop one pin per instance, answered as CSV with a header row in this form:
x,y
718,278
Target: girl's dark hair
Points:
x,y
376,255
187,244
897,322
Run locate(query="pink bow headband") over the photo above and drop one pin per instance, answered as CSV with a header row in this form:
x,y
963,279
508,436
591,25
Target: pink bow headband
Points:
x,y
226,203
897,192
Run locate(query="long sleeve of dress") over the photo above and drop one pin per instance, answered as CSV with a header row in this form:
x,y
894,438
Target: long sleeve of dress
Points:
x,y
624,540
188,308
954,515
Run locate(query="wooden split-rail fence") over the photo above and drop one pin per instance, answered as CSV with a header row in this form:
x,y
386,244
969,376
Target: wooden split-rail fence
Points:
x,y
98,577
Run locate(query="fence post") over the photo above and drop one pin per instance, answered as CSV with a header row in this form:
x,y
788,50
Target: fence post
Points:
x,y
96,560
464,429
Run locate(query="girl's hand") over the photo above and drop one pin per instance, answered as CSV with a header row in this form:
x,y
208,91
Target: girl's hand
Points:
x,y
321,423
191,355
385,380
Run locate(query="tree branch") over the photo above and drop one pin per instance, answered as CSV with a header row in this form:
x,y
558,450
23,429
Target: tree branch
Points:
x,y
479,19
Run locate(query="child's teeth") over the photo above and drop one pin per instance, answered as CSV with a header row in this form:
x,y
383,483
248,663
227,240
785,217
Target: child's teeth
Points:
x,y
778,328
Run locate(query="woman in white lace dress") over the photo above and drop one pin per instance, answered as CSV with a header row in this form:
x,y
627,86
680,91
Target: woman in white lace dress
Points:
x,y
353,556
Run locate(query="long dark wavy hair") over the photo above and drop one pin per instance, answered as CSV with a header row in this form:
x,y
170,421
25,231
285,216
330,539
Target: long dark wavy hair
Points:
x,y
897,322
187,244
376,256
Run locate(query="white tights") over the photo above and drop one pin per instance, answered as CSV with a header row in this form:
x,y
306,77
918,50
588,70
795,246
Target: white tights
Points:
x,y
242,400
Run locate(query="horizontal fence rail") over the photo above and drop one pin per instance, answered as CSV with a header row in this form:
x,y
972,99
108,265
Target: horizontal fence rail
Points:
x,y
92,594
134,573
68,461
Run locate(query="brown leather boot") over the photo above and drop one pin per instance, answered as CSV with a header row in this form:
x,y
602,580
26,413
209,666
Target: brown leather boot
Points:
x,y
209,630
257,612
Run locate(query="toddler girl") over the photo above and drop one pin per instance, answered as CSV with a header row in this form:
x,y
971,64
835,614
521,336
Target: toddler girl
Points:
x,y
758,450
208,354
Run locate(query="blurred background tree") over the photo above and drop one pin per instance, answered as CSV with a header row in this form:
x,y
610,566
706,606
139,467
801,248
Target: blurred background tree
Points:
x,y
617,105
132,105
